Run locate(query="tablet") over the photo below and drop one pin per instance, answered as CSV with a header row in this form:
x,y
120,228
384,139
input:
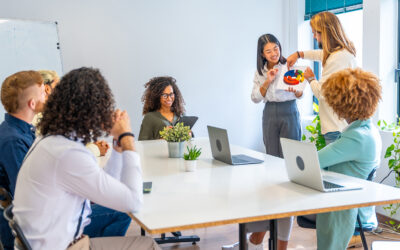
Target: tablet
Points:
x,y
188,120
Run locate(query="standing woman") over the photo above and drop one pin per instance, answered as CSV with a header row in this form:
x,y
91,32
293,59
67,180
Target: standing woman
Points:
x,y
280,116
336,52
163,106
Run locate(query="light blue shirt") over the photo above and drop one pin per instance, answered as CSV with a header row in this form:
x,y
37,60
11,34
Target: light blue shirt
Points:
x,y
356,153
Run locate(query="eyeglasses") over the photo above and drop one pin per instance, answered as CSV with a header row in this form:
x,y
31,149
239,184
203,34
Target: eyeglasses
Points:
x,y
165,96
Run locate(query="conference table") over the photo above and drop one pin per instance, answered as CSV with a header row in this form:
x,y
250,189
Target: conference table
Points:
x,y
220,194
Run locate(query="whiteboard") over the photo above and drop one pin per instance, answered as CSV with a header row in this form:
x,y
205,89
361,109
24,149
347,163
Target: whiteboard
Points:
x,y
28,45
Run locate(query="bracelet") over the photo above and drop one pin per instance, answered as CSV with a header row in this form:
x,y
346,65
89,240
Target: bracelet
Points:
x,y
122,136
298,54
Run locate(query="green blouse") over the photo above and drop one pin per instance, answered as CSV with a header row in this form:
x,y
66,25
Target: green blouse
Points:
x,y
152,124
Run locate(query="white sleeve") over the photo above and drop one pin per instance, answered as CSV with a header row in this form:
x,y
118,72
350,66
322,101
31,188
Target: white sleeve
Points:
x,y
256,96
78,173
316,88
315,55
113,166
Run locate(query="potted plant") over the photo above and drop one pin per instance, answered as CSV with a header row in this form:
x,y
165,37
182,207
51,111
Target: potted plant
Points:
x,y
191,158
316,136
393,155
176,136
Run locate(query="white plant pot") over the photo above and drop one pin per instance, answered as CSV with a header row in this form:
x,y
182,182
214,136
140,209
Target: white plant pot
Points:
x,y
190,165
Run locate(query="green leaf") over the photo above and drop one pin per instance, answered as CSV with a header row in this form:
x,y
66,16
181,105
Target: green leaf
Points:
x,y
303,138
391,163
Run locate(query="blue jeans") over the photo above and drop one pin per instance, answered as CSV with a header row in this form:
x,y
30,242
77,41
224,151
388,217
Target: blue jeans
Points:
x,y
7,239
331,137
106,222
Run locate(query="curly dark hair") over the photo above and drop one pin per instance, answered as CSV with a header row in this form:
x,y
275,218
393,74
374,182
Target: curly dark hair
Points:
x,y
152,94
352,93
81,107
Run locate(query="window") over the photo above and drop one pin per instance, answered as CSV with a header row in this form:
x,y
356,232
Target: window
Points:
x,y
397,75
335,6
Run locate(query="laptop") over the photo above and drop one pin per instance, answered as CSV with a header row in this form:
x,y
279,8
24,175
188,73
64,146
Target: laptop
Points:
x,y
302,165
220,148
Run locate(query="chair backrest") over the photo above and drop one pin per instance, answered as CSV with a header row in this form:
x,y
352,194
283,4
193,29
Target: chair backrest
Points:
x,y
6,198
20,241
372,175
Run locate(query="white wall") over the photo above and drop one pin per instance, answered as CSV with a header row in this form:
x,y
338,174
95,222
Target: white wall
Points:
x,y
379,56
208,46
380,49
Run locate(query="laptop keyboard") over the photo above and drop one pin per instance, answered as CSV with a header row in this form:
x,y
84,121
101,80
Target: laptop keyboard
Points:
x,y
330,185
244,159
239,160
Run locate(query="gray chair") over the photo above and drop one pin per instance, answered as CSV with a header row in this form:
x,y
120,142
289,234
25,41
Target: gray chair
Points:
x,y
21,242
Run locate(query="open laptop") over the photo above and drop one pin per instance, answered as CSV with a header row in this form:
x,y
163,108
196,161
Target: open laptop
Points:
x,y
302,165
220,148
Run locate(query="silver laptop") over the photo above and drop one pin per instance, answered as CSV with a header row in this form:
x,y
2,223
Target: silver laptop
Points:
x,y
303,168
221,151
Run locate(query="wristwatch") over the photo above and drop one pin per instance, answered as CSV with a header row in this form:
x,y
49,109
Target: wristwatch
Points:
x,y
311,79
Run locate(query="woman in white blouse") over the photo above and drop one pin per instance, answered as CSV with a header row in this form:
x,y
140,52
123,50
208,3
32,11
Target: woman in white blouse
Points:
x,y
336,52
280,118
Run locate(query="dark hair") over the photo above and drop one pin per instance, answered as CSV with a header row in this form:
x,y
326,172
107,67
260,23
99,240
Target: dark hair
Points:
x,y
262,41
152,94
81,107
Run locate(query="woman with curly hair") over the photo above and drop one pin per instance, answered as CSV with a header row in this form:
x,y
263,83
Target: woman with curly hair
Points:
x,y
59,176
163,106
353,95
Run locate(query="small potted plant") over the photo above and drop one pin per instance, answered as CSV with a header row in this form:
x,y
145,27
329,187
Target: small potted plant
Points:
x,y
176,136
191,158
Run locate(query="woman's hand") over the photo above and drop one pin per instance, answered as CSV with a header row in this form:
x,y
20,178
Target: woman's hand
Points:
x,y
298,94
291,60
309,74
271,74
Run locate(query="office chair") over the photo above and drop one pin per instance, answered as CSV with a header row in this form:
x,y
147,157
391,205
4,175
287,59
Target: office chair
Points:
x,y
176,238
5,201
21,243
306,223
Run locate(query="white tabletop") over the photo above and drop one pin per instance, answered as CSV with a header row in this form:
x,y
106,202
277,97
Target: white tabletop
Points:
x,y
218,194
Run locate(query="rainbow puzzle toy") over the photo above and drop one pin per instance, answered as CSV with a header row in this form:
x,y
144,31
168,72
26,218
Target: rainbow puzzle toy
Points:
x,y
293,77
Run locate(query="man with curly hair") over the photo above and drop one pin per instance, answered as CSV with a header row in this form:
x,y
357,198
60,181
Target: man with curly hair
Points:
x,y
353,95
23,96
60,177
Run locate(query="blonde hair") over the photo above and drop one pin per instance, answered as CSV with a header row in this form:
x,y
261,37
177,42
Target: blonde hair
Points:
x,y
332,34
12,89
49,76
352,93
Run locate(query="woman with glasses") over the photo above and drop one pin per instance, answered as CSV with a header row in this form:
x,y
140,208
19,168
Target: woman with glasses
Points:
x,y
163,106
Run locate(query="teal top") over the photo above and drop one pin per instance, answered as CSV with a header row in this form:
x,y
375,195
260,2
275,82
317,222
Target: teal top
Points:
x,y
356,153
152,124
